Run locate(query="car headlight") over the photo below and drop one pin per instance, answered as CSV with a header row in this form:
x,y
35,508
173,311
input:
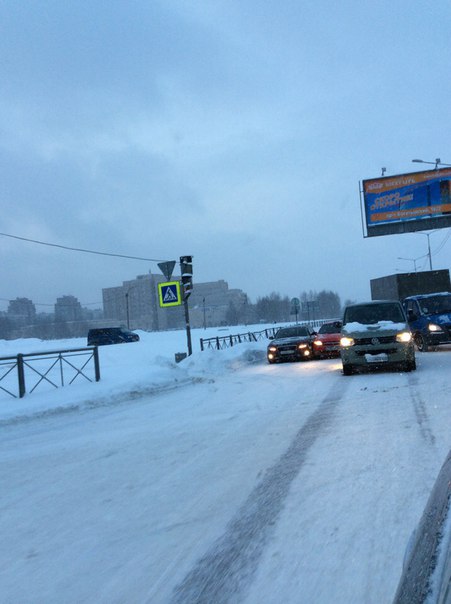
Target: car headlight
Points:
x,y
346,342
434,327
272,349
404,337
301,346
317,343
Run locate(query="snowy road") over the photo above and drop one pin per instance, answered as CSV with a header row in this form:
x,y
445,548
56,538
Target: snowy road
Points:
x,y
287,483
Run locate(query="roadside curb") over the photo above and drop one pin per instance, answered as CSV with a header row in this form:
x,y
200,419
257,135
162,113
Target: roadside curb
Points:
x,y
422,556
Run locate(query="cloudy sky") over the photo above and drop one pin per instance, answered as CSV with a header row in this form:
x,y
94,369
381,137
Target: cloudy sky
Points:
x,y
233,130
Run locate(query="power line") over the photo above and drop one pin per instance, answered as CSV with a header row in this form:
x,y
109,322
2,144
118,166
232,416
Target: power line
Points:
x,y
442,244
77,249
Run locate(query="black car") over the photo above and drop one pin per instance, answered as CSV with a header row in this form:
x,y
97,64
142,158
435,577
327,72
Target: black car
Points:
x,y
111,335
291,344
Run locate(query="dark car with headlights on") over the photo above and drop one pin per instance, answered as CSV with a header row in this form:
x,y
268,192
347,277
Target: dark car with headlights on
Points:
x,y
291,344
327,341
374,335
429,317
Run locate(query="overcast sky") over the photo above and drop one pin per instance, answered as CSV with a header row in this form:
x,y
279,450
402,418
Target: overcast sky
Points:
x,y
233,130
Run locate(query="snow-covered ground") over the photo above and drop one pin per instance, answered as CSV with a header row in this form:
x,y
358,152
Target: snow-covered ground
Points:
x,y
218,479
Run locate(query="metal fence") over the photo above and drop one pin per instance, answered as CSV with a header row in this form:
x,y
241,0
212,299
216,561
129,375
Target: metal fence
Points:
x,y
221,342
26,372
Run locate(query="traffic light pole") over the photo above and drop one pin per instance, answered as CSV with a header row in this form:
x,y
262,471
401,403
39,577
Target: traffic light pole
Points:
x,y
186,272
188,328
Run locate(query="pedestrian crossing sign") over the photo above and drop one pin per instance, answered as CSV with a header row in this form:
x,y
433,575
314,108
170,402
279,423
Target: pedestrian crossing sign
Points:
x,y
169,294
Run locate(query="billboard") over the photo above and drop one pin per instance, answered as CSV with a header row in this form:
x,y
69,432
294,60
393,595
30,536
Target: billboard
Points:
x,y
406,203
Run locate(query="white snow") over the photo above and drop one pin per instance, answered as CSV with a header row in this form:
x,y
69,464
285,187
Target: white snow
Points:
x,y
355,326
218,479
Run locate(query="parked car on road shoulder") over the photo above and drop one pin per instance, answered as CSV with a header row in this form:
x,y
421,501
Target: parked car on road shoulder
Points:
x,y
429,317
327,340
111,335
376,334
293,343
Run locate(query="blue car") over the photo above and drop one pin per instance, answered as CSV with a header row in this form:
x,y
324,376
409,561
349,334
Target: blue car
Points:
x,y
429,317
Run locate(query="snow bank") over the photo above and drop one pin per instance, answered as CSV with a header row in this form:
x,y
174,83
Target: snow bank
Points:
x,y
127,371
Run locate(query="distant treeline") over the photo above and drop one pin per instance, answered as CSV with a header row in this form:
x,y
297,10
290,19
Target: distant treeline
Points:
x,y
276,308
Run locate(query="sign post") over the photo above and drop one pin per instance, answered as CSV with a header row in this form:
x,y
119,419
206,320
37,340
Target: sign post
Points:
x,y
295,306
172,293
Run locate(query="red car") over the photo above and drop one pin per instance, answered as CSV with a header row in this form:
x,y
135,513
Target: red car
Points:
x,y
327,340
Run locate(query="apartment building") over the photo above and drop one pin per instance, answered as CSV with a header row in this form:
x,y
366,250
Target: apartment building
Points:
x,y
135,304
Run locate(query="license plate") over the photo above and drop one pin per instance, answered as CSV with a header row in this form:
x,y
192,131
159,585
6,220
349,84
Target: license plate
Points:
x,y
286,352
376,358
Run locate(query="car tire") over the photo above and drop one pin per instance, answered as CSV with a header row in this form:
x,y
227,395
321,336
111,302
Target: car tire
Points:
x,y
413,365
347,369
421,342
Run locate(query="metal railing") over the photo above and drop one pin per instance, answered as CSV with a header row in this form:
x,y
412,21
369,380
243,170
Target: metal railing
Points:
x,y
65,367
221,342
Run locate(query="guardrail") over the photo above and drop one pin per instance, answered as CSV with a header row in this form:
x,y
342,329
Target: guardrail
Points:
x,y
63,362
221,342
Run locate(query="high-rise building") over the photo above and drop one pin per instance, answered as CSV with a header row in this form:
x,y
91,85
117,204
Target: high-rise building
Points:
x,y
68,308
22,311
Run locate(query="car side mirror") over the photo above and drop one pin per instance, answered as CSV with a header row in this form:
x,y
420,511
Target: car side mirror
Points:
x,y
411,316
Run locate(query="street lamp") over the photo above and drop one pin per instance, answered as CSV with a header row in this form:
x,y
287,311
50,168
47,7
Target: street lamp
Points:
x,y
437,162
127,306
414,260
429,247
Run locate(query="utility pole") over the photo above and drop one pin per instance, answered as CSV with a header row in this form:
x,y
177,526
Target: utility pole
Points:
x,y
128,312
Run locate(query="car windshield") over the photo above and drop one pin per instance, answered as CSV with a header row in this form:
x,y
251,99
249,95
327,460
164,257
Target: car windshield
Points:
x,y
436,304
292,332
368,314
330,327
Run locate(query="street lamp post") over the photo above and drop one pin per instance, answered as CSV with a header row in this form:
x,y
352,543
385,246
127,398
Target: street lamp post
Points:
x,y
438,162
128,312
429,247
127,306
414,260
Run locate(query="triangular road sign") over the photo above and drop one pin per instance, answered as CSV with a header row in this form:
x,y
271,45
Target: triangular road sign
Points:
x,y
167,268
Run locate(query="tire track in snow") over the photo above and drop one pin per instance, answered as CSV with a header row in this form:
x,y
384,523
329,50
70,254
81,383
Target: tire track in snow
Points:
x,y
226,570
420,411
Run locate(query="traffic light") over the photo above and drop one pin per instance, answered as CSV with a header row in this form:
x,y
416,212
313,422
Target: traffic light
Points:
x,y
186,270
